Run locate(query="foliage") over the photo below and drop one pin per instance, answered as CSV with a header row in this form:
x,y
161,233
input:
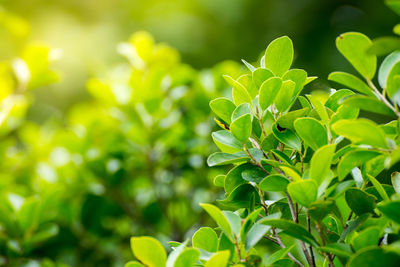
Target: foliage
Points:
x,y
308,182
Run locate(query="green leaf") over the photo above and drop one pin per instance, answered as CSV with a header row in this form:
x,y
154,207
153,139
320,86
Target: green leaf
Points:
x,y
219,180
371,104
234,220
274,183
304,191
287,137
335,100
268,91
378,186
351,82
395,177
240,197
248,223
149,251
321,163
384,45
354,159
219,259
319,209
386,67
279,55
241,110
239,92
218,217
374,257
284,97
226,142
241,128
278,255
359,201
223,108
205,238
353,46
286,120
366,238
248,65
368,133
320,108
290,228
187,258
260,76
299,77
312,132
255,234
392,81
391,210
338,249
220,158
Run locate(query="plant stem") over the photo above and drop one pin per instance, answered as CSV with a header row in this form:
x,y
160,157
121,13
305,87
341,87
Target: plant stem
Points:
x,y
382,98
309,230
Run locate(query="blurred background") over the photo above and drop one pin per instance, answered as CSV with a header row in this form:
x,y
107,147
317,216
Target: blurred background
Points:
x,y
113,139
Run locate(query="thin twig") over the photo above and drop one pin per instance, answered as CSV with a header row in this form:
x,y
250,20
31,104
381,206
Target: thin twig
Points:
x,y
382,98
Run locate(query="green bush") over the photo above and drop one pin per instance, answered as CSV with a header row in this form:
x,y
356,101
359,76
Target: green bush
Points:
x,y
303,189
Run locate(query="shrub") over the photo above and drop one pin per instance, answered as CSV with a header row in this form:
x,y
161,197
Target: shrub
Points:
x,y
309,184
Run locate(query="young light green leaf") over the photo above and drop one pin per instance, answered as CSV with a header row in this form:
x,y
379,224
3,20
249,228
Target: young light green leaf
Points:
x,y
268,91
218,217
133,264
223,108
353,46
220,158
284,98
386,67
367,133
149,251
279,55
239,92
320,108
304,191
298,76
274,183
351,82
287,137
370,104
321,163
219,259
205,238
378,186
312,132
359,201
248,65
260,75
241,128
187,258
335,100
226,142
366,238
240,110
287,120
354,159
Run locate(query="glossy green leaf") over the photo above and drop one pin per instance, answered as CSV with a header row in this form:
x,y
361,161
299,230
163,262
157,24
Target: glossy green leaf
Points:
x,y
359,201
312,132
371,104
386,67
351,82
391,210
287,137
187,258
133,264
223,108
353,46
226,142
392,81
384,45
260,75
335,100
321,163
279,55
299,77
366,238
239,92
320,108
274,183
354,159
241,128
255,234
290,228
304,191
395,177
367,133
284,97
149,251
374,257
268,91
220,158
378,186
206,239
287,119
219,259
240,110
218,217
